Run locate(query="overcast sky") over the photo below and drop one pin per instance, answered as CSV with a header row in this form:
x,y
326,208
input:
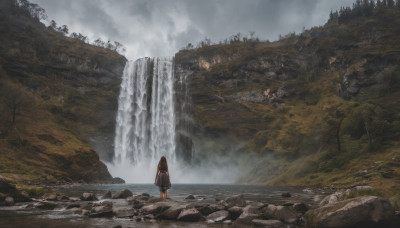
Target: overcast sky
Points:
x,y
162,27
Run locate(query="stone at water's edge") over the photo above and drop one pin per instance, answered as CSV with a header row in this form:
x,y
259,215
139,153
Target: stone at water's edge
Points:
x,y
86,196
218,216
235,212
237,200
267,223
189,215
123,194
353,212
124,212
282,213
172,212
155,208
107,195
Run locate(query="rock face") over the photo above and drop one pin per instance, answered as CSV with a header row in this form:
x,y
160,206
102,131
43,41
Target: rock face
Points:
x,y
364,210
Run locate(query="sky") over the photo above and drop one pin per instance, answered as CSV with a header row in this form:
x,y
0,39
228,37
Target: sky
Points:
x,y
149,28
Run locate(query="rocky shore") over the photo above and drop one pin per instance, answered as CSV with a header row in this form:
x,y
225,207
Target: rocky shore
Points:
x,y
335,210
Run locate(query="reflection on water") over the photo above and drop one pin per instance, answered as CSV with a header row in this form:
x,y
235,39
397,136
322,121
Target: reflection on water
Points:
x,y
20,217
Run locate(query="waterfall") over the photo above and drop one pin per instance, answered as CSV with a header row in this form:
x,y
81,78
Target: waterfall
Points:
x,y
145,123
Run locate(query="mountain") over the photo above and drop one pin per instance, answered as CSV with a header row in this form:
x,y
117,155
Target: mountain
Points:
x,y
319,108
58,97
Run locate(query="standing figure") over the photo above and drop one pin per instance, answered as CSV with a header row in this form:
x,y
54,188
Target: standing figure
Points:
x,y
162,178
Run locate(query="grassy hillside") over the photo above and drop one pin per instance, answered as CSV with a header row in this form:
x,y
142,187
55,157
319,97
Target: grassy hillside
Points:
x,y
56,94
319,108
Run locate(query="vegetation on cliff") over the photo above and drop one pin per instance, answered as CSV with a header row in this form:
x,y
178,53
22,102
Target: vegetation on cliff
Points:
x,y
56,93
318,108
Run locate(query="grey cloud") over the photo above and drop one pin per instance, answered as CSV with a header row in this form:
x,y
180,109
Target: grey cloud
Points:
x,y
161,27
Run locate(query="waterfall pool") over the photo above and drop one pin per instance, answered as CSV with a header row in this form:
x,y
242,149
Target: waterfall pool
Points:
x,y
20,216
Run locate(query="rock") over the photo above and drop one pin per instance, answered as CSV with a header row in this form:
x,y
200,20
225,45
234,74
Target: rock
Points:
x,y
73,205
245,218
332,198
207,209
9,201
281,213
267,223
356,212
251,209
189,197
50,197
237,200
189,215
74,199
117,226
286,195
137,204
117,180
124,212
88,196
46,205
6,186
288,204
172,212
235,212
155,208
9,189
218,216
300,207
107,195
62,198
75,210
101,211
227,222
123,194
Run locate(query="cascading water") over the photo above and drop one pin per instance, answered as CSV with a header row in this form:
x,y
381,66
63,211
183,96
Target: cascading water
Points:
x,y
145,123
155,119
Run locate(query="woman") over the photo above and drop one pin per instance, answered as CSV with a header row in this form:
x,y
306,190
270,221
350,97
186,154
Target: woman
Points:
x,y
162,178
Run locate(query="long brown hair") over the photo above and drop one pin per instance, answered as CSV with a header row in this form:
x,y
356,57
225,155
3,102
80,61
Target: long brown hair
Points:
x,y
162,165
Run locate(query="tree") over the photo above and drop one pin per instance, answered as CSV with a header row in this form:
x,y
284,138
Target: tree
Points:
x,y
16,101
99,42
64,29
53,25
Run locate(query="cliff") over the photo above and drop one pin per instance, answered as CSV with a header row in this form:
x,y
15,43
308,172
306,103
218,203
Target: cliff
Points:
x,y
59,99
318,108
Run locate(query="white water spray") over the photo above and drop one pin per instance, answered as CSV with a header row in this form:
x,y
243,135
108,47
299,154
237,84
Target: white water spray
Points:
x,y
147,127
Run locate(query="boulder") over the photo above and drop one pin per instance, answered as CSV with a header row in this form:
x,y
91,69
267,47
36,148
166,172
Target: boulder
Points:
x,y
286,195
282,213
237,200
218,216
9,201
107,195
189,215
101,211
356,212
235,212
339,195
137,204
189,197
123,194
62,198
251,209
172,212
207,209
300,207
245,218
88,196
155,208
267,223
50,197
124,212
73,205
46,205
